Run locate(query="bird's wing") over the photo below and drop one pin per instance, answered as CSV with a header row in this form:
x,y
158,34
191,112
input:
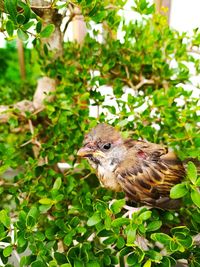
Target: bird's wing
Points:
x,y
148,172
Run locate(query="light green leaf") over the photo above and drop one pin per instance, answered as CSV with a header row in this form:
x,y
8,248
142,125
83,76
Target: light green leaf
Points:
x,y
192,172
145,215
147,263
5,219
22,35
178,191
57,183
94,219
46,201
195,196
47,31
131,236
117,205
7,251
120,221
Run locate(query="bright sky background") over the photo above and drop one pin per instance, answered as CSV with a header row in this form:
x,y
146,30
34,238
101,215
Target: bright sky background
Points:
x,y
185,14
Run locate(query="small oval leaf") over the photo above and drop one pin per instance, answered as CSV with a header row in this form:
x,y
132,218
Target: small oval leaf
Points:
x,y
178,191
22,35
47,31
94,219
195,196
192,172
10,27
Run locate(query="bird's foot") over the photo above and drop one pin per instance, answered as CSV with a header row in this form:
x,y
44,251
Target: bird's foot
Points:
x,y
131,210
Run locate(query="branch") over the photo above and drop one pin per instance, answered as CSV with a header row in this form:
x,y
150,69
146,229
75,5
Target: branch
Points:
x,y
67,23
45,86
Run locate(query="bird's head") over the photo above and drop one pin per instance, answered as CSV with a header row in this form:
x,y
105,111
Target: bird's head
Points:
x,y
102,144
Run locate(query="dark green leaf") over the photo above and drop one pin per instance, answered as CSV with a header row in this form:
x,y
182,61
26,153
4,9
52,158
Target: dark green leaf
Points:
x,y
10,27
38,27
153,226
11,8
20,18
38,263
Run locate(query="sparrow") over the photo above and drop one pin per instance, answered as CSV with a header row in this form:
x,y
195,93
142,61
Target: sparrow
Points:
x,y
144,171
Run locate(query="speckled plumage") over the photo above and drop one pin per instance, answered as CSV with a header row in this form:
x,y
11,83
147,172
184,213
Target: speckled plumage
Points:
x,y
143,170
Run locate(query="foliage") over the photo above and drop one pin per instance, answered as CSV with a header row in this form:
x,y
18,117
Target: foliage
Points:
x,y
11,85
63,218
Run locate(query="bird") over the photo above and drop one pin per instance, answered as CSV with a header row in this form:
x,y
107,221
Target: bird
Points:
x,y
144,171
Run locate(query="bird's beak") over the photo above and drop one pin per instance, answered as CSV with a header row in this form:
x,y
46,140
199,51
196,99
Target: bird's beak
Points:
x,y
87,152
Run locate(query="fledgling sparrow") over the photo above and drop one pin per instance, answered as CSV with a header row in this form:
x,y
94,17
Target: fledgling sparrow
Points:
x,y
144,171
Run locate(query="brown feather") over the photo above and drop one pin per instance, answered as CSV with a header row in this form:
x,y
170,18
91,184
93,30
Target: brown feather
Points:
x,y
144,171
149,179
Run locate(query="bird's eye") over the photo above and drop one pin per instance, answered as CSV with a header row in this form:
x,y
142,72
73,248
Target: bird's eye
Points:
x,y
107,146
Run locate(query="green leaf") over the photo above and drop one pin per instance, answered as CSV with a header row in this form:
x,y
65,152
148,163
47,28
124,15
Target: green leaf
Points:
x,y
60,257
46,201
26,10
10,27
120,221
28,25
154,255
38,27
153,226
7,251
120,242
22,35
131,235
94,219
178,191
145,215
47,31
5,219
11,8
192,172
132,259
147,263
92,264
117,206
195,196
162,238
57,183
38,263
20,18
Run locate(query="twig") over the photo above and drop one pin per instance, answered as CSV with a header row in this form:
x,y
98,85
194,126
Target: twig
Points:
x,y
190,50
67,23
143,82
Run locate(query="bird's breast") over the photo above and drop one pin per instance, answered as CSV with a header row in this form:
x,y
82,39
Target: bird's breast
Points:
x,y
108,179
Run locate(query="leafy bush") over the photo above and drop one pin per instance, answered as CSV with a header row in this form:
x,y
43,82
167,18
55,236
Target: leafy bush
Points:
x,y
63,218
